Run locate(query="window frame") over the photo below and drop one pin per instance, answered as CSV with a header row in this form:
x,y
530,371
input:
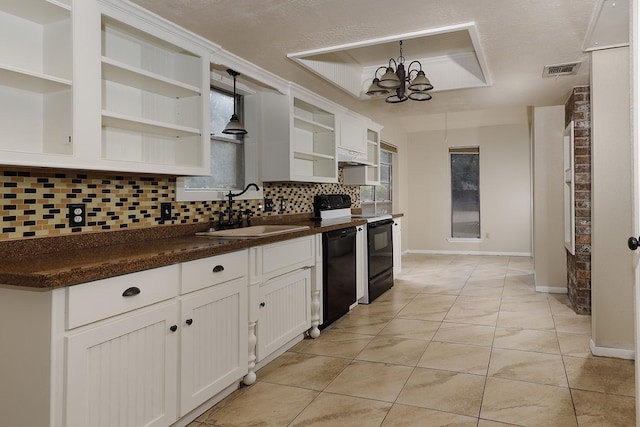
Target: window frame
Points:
x,y
464,150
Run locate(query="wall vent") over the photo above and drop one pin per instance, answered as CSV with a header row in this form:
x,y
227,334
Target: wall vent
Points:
x,y
561,69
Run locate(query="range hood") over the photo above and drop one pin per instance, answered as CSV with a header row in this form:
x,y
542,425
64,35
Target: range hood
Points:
x,y
349,158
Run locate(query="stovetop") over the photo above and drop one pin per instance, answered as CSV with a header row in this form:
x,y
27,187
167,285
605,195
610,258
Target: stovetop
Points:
x,y
337,207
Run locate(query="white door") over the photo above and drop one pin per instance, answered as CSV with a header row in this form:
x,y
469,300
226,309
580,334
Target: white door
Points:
x,y
635,54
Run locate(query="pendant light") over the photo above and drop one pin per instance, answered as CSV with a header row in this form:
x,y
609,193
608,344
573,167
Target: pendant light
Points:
x,y
235,126
400,80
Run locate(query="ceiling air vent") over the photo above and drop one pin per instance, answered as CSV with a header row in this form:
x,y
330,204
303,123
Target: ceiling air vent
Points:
x,y
561,69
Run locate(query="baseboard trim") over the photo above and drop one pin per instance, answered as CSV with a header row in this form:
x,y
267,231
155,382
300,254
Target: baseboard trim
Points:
x,y
551,289
486,253
611,352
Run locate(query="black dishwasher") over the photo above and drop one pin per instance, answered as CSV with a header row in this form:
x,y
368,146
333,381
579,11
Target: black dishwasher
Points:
x,y
339,273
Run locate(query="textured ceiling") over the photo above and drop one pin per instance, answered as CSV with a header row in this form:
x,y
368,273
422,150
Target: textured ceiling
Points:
x,y
518,38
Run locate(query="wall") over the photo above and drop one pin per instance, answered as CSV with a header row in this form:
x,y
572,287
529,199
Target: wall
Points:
x,y
550,267
612,272
505,184
578,109
34,201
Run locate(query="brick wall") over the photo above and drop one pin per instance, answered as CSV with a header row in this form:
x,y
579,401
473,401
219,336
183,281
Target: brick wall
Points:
x,y
578,109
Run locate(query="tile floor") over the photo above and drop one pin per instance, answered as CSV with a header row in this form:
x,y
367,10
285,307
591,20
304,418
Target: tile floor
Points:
x,y
458,341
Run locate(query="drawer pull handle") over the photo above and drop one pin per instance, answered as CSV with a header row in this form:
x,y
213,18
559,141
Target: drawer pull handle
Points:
x,y
262,304
218,269
131,291
173,328
189,321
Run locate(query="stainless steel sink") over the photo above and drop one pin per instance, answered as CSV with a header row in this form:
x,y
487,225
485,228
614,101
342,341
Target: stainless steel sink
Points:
x,y
253,231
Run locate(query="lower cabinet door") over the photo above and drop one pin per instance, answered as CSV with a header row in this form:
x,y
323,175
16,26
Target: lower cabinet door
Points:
x,y
123,372
284,311
215,327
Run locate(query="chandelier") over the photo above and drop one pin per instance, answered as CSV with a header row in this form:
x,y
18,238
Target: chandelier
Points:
x,y
400,80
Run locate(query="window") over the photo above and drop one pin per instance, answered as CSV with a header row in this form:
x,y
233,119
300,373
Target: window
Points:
x,y
227,151
465,192
378,199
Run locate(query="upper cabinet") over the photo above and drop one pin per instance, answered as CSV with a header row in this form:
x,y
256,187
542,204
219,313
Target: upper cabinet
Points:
x,y
155,96
298,138
367,175
101,85
36,83
352,134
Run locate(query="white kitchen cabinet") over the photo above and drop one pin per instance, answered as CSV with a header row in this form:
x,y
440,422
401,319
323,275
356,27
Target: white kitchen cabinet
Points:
x,y
397,246
154,98
214,326
352,133
300,131
362,274
367,175
285,311
36,81
123,372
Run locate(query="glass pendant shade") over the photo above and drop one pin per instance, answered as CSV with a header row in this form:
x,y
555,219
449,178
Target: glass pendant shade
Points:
x,y
421,82
234,127
419,96
394,99
389,80
375,89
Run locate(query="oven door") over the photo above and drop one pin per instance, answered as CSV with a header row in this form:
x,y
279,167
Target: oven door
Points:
x,y
380,245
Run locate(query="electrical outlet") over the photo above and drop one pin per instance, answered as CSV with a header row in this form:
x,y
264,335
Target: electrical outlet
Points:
x,y
269,206
77,215
283,205
165,211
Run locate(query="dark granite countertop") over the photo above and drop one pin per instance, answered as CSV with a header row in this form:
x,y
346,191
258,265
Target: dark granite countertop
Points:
x,y
53,262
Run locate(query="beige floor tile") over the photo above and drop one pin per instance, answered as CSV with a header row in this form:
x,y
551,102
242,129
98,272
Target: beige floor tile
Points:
x,y
303,370
446,391
428,307
399,351
411,329
378,381
396,295
523,320
519,291
489,423
474,316
574,344
411,416
333,410
334,343
528,366
560,305
195,424
527,340
263,404
489,281
442,289
599,409
527,404
471,359
477,291
465,334
360,322
602,374
381,309
573,324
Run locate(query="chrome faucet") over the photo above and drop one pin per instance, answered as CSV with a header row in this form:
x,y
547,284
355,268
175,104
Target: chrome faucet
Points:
x,y
230,196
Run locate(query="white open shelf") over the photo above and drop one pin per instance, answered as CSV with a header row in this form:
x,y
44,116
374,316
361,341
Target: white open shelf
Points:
x,y
125,74
42,12
139,124
312,156
310,125
31,81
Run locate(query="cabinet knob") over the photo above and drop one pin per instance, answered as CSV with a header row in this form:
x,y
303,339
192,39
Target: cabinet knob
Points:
x,y
189,321
173,328
131,291
218,268
262,304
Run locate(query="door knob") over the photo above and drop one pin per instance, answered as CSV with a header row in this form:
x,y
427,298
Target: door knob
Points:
x,y
633,243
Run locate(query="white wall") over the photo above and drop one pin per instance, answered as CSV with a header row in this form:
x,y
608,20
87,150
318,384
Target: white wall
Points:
x,y
612,274
505,185
549,256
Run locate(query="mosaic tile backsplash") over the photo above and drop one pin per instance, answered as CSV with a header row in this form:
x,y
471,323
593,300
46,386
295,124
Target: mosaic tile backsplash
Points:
x,y
35,201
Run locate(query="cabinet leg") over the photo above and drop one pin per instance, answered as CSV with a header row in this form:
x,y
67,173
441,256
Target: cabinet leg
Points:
x,y
314,332
250,378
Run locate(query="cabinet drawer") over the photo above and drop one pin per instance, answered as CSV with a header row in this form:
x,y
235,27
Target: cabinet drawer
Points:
x,y
205,272
104,298
282,257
